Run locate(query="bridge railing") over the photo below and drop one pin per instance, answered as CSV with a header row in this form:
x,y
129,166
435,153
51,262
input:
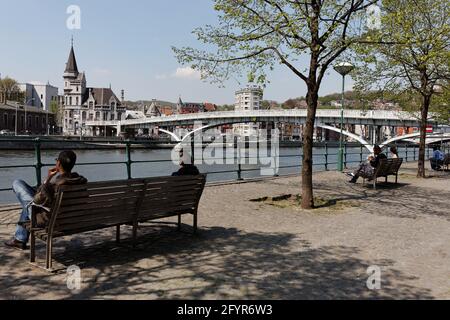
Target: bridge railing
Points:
x,y
325,158
321,113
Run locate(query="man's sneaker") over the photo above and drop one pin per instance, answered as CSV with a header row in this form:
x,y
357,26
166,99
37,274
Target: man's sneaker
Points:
x,y
350,174
352,181
16,244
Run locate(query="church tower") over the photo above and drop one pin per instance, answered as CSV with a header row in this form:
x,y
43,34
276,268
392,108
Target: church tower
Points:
x,y
74,92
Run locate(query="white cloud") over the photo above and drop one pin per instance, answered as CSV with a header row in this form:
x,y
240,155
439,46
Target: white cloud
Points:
x,y
187,73
181,73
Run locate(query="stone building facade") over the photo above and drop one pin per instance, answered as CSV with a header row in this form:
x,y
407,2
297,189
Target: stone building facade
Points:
x,y
82,104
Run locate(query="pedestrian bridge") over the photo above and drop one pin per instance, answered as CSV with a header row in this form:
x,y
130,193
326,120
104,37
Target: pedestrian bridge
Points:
x,y
212,119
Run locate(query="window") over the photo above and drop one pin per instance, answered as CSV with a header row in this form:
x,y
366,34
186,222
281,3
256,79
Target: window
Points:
x,y
42,96
112,117
83,117
5,119
91,104
77,89
70,101
36,122
29,121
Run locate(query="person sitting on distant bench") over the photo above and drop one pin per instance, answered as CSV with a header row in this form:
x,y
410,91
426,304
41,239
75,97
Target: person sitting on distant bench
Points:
x,y
42,197
394,153
438,159
366,169
186,168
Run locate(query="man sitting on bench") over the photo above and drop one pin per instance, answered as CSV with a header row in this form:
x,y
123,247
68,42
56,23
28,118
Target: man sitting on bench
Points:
x,y
186,167
438,159
61,174
366,169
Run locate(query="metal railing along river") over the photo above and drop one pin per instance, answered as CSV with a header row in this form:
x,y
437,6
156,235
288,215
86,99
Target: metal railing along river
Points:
x,y
352,155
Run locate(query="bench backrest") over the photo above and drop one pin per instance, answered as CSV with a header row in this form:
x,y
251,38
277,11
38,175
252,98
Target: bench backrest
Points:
x,y
105,204
447,159
99,205
170,196
388,167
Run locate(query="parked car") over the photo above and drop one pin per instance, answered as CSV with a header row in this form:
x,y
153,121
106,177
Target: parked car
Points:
x,y
6,133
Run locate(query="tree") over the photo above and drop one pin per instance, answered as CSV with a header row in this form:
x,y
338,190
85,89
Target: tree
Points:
x,y
11,89
57,111
410,56
256,35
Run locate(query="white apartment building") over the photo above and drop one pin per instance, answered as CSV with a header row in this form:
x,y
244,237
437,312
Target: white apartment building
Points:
x,y
39,95
248,99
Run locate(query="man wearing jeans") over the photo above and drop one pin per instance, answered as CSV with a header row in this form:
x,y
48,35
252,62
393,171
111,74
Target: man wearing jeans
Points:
x,y
61,174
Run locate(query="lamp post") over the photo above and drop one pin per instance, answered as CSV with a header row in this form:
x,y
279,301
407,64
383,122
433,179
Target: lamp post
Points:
x,y
343,68
25,109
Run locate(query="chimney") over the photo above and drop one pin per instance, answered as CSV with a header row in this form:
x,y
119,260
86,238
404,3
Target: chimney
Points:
x,y
123,96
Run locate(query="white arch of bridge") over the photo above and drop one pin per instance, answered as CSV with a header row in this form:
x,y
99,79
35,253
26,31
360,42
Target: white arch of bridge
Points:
x,y
331,128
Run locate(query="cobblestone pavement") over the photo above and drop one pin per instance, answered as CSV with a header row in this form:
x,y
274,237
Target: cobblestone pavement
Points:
x,y
253,250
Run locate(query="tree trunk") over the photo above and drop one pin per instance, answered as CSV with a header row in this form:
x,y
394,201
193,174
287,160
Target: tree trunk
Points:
x,y
423,135
308,133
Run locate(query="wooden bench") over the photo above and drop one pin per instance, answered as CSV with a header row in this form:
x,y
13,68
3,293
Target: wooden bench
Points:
x,y
386,167
100,205
446,163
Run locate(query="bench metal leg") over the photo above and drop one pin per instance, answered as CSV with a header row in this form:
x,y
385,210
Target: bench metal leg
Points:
x,y
48,259
396,178
118,233
179,222
375,183
135,229
195,222
32,247
386,179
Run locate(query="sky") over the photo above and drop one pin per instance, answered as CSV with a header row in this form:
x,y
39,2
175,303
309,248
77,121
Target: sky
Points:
x,y
125,44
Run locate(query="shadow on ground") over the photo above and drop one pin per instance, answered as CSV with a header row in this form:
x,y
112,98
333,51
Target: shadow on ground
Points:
x,y
218,263
402,200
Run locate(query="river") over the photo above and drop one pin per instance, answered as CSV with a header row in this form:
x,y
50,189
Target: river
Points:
x,y
289,163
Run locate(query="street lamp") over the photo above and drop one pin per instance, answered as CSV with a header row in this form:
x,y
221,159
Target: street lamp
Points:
x,y
25,109
343,68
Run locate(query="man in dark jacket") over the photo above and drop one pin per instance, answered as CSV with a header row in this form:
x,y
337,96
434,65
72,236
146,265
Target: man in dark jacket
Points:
x,y
186,168
366,168
61,174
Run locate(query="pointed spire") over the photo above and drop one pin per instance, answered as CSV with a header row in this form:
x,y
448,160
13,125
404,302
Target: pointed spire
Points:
x,y
71,65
